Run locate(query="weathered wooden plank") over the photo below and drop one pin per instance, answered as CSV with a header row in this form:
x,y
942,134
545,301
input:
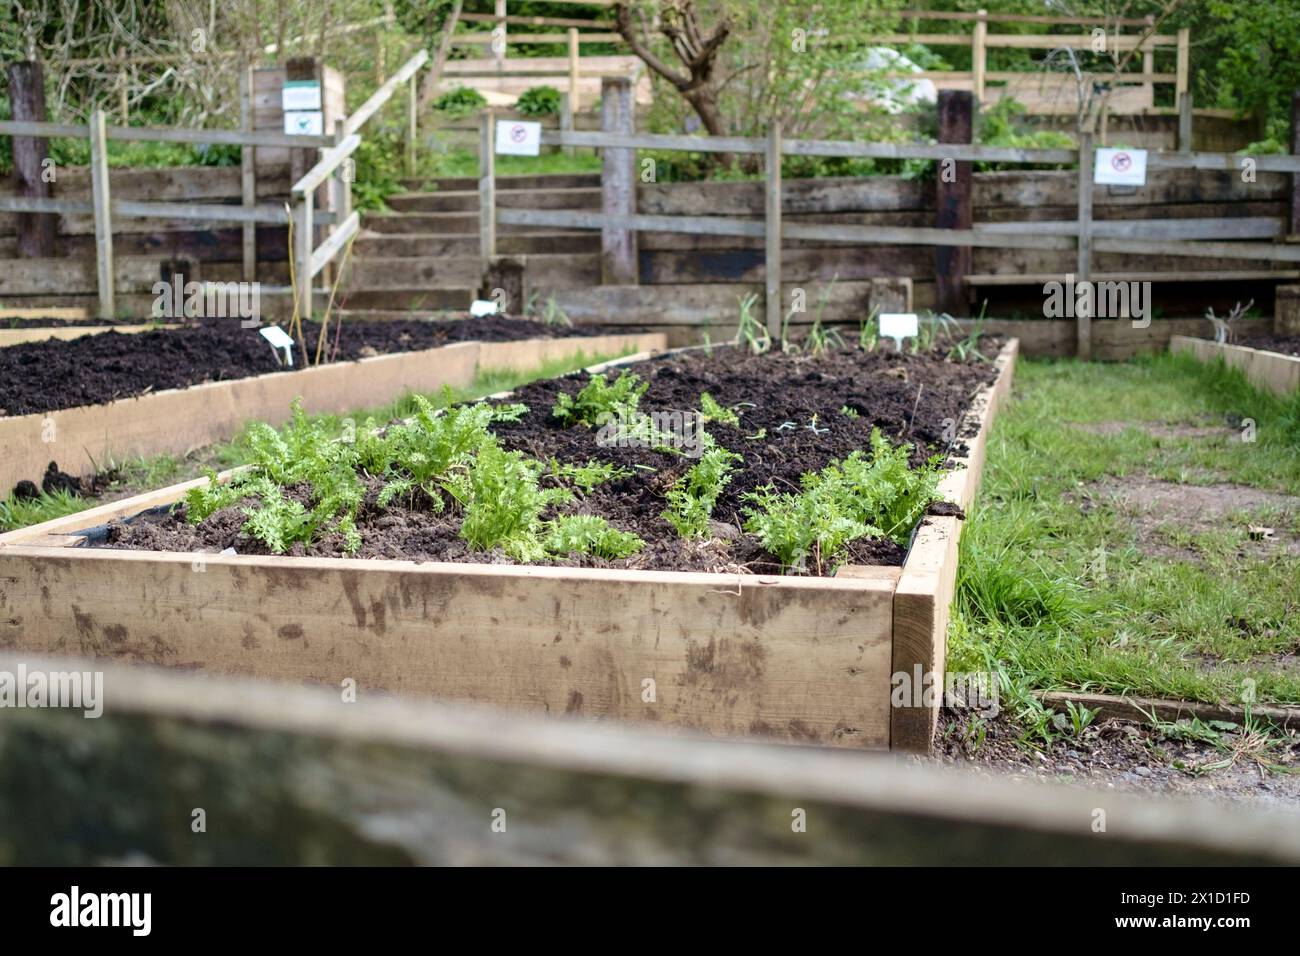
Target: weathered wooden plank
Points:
x,y
1145,709
71,276
568,792
702,305
928,584
1272,371
728,654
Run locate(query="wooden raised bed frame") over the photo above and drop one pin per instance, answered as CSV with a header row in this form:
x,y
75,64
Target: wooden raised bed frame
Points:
x,y
1271,371
296,776
800,659
179,420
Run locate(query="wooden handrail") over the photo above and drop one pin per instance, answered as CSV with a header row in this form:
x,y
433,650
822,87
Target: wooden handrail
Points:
x,y
329,161
382,95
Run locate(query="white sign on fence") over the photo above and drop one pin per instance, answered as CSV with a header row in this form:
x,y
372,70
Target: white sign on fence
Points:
x,y
518,138
898,326
1120,167
298,95
309,123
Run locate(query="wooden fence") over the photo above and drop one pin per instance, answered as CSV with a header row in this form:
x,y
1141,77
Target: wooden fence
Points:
x,y
955,230
1036,88
311,259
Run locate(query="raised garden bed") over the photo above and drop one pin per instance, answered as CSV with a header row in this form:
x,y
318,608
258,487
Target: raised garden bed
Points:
x,y
1271,363
84,402
802,658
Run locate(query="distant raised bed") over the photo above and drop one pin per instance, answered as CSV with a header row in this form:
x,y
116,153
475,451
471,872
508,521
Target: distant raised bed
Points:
x,y
808,658
85,402
1270,363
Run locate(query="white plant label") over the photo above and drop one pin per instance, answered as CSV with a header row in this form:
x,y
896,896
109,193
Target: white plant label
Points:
x,y
898,326
300,95
1120,167
518,138
481,307
279,339
310,123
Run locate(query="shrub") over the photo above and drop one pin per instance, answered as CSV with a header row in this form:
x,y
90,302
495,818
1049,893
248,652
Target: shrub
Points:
x,y
539,101
460,102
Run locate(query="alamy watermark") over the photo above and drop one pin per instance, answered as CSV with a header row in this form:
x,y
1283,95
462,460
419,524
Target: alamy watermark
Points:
x,y
208,300
977,690
78,690
1098,300
679,431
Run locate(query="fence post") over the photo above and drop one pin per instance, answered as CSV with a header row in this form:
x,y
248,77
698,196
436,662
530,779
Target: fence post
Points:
x,y
1185,122
303,248
499,44
1149,56
102,202
412,124
1181,98
27,96
1083,266
487,191
772,221
1295,177
566,120
574,54
123,96
618,255
953,201
248,173
979,54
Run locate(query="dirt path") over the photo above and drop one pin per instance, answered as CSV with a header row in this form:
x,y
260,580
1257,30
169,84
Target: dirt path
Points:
x,y
1123,756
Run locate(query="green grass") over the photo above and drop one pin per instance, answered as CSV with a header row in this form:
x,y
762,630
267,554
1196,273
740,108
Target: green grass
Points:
x,y
144,474
464,162
1057,596
15,513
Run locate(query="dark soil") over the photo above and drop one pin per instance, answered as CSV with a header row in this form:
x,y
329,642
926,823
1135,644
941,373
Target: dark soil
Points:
x,y
51,375
1285,344
793,425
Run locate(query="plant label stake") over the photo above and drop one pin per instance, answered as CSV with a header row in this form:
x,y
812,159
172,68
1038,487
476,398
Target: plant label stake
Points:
x,y
279,339
898,326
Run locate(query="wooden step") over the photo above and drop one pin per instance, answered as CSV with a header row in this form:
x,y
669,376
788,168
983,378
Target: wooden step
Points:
x,y
539,181
415,274
558,271
408,300
460,223
467,200
412,245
